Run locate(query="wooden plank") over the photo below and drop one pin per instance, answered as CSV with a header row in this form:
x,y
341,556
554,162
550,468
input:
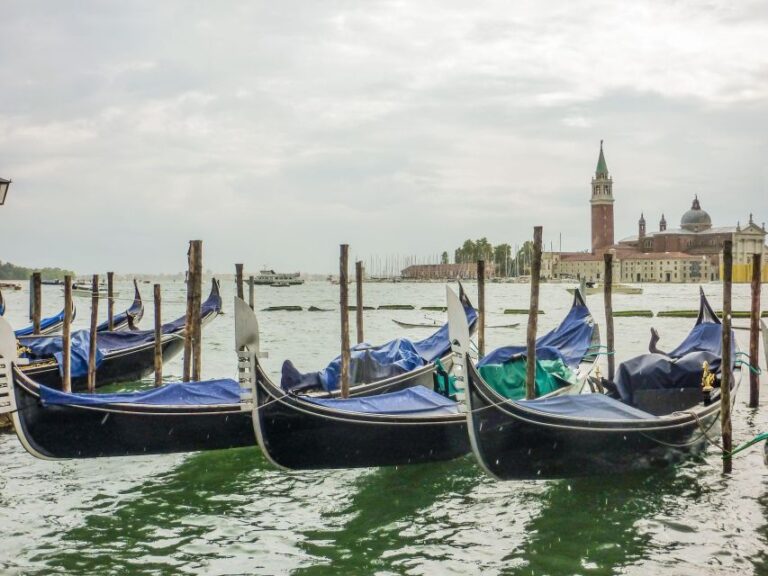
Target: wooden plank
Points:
x,y
533,316
251,291
92,335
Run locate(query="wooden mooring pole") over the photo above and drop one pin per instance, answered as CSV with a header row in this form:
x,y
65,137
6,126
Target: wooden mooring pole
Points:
x,y
197,337
359,301
754,332
239,280
66,332
111,300
607,296
533,317
189,328
481,308
725,367
344,305
36,302
158,337
92,335
251,294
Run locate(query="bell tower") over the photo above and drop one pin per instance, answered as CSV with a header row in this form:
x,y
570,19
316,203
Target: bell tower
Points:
x,y
602,205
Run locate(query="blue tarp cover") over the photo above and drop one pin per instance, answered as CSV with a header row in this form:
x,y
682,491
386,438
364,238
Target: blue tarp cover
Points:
x,y
223,391
45,323
414,400
370,364
568,342
682,368
587,407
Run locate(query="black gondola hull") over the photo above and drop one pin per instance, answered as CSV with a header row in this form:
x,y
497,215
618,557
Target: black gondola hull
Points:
x,y
298,435
89,432
514,444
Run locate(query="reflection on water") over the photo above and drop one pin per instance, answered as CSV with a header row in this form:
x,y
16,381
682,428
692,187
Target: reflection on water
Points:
x,y
231,512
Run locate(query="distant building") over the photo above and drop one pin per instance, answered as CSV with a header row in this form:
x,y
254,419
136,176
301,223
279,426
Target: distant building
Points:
x,y
691,253
445,271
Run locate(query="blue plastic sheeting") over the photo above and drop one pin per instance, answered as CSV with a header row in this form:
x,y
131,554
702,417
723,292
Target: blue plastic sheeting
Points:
x,y
415,400
568,342
45,323
706,337
207,392
587,407
371,364
41,347
659,372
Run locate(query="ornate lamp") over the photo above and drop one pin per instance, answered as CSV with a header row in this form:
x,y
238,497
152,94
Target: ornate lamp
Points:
x,y
4,184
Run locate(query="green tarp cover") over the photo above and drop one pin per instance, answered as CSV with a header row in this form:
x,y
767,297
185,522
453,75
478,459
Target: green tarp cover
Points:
x,y
508,379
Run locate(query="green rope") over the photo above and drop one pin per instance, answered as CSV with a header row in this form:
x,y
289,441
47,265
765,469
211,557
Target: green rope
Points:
x,y
753,369
755,440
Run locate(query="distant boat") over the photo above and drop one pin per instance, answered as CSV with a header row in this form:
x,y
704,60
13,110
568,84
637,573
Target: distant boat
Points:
x,y
281,284
270,277
10,286
616,289
85,291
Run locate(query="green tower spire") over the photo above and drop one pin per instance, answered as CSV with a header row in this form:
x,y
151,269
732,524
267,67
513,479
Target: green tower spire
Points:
x,y
602,167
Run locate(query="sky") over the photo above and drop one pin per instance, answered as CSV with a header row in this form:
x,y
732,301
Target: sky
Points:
x,y
274,131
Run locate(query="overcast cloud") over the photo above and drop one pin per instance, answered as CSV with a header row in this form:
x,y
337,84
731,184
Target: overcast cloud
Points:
x,y
276,130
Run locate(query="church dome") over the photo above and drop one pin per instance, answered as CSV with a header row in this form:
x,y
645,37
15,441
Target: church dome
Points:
x,y
696,219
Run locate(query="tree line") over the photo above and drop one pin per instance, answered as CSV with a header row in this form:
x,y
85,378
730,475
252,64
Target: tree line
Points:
x,y
507,262
10,271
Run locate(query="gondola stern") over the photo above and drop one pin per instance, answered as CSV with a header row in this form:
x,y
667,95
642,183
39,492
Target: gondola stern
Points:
x,y
9,388
249,373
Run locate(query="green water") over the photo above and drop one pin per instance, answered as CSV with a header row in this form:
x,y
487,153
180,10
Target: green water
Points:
x,y
230,512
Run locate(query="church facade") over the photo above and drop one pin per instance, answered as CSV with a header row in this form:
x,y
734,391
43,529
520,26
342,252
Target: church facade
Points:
x,y
690,253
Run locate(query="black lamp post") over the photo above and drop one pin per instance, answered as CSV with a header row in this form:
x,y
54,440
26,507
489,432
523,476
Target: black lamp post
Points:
x,y
4,184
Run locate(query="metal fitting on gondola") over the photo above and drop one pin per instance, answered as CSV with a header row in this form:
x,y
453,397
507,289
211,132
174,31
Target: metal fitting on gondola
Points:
x,y
707,382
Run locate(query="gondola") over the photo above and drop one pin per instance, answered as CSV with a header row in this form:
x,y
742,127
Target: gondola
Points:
x,y
654,414
412,425
121,356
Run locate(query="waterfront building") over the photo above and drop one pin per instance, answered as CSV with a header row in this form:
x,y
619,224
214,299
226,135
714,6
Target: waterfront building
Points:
x,y
690,253
463,271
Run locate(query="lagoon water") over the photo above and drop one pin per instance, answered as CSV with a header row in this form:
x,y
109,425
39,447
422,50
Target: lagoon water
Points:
x,y
230,512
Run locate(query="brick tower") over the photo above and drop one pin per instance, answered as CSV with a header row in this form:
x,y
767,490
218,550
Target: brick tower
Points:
x,y
602,206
